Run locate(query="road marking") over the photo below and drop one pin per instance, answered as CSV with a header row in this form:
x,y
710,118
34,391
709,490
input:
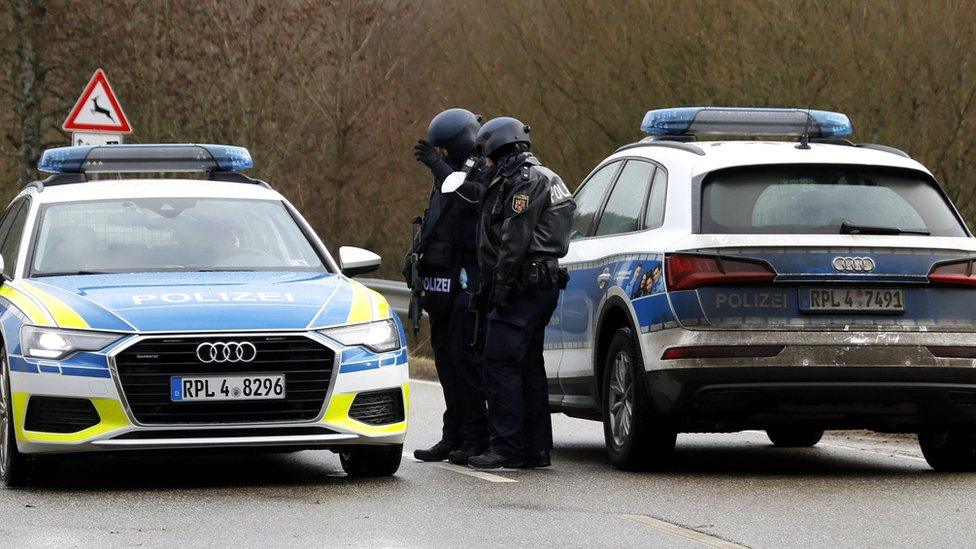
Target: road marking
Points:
x,y
464,470
424,382
681,531
878,452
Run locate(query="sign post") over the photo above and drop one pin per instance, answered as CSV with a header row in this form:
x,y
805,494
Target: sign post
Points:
x,y
97,117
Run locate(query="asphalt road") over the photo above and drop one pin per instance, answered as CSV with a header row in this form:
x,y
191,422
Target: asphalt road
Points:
x,y
727,489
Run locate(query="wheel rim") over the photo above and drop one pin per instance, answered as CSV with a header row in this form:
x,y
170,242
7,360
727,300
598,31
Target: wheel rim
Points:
x,y
4,442
621,401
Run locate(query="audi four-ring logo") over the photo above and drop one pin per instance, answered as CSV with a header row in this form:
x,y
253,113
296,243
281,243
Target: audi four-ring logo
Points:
x,y
853,264
226,351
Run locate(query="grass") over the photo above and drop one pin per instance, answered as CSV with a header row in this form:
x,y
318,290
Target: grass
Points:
x,y
422,367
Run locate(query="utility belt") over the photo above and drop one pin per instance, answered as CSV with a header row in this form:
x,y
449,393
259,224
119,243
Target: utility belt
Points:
x,y
541,274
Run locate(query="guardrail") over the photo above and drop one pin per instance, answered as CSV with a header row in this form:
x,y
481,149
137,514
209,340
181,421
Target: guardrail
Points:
x,y
396,292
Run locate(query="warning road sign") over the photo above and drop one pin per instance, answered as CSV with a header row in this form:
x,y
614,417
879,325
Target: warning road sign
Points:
x,y
97,110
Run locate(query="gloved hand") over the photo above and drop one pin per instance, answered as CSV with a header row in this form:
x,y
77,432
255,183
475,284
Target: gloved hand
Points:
x,y
500,297
425,153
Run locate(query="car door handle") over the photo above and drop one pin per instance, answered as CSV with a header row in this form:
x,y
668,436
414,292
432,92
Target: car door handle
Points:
x,y
603,278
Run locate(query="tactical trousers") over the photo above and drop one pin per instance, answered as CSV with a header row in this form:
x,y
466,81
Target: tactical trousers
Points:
x,y
460,372
515,375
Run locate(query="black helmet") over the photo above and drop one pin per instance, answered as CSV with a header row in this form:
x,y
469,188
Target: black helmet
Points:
x,y
501,131
455,131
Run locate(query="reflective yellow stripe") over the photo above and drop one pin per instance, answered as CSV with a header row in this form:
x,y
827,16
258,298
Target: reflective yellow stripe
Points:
x,y
109,410
362,307
64,316
338,416
34,312
381,308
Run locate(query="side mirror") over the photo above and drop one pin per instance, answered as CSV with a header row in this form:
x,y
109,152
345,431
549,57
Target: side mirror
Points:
x,y
357,261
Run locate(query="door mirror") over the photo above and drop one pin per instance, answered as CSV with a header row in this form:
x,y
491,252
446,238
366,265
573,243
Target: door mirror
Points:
x,y
357,261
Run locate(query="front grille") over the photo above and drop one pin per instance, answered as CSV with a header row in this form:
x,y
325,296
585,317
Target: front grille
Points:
x,y
223,433
378,408
60,415
145,370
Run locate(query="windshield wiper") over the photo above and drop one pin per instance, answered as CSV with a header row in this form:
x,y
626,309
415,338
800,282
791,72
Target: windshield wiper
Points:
x,y
73,273
850,228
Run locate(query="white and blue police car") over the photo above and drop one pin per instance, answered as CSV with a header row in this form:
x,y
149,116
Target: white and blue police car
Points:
x,y
791,285
158,314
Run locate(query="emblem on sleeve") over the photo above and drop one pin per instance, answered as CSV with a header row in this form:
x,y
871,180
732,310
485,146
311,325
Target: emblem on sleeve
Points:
x,y
520,202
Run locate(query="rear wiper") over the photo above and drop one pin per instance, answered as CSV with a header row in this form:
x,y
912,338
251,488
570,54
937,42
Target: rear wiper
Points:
x,y
850,228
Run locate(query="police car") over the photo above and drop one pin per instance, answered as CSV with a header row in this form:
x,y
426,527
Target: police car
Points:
x,y
160,314
789,285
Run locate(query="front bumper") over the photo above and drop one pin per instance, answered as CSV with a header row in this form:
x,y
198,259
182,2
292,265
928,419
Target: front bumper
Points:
x,y
118,429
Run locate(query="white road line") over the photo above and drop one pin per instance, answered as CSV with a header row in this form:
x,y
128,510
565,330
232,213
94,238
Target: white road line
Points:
x,y
464,470
424,382
878,452
681,531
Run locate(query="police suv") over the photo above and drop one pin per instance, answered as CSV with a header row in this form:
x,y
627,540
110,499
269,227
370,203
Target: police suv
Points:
x,y
157,314
791,286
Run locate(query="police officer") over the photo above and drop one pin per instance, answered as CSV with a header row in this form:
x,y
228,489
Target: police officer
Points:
x,y
446,245
525,225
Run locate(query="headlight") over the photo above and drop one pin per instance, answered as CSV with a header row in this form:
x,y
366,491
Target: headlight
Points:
x,y
379,337
55,344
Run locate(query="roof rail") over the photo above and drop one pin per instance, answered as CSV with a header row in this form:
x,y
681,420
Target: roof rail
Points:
x,y
236,177
650,142
848,143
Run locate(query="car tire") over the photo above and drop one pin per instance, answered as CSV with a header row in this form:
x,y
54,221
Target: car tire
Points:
x,y
635,439
953,450
15,467
794,437
371,461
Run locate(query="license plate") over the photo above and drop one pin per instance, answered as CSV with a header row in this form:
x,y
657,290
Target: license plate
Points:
x,y
860,300
215,388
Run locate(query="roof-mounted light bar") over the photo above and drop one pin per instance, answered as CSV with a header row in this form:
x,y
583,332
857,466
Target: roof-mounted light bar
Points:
x,y
168,157
746,122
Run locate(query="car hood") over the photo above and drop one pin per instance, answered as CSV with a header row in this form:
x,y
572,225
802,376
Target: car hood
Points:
x,y
218,301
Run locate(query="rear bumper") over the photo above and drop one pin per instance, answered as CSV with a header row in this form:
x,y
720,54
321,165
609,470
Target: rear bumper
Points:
x,y
893,399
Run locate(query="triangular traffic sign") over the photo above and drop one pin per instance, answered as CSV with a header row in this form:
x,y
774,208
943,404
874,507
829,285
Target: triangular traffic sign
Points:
x,y
97,109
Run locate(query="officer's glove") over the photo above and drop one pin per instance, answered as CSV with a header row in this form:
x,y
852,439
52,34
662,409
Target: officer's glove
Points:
x,y
500,297
425,154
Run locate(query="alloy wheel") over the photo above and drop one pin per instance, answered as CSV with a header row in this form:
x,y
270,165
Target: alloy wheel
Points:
x,y
621,401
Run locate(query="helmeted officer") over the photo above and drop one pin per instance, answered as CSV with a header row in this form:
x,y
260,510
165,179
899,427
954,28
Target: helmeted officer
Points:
x,y
447,247
525,225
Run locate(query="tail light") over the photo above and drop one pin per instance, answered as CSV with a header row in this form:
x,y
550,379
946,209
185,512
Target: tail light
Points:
x,y
955,273
690,271
722,351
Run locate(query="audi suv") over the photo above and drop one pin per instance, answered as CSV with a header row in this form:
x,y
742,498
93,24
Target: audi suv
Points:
x,y
787,280
159,314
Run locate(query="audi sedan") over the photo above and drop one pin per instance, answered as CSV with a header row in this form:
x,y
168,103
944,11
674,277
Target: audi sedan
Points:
x,y
791,285
160,314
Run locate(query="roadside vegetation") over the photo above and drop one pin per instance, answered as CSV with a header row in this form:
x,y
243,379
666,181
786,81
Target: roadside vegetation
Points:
x,y
330,95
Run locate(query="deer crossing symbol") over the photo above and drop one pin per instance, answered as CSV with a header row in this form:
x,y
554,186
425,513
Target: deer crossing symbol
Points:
x,y
100,110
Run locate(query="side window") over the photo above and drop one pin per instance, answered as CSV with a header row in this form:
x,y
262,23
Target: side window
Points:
x,y
589,198
655,203
11,241
627,198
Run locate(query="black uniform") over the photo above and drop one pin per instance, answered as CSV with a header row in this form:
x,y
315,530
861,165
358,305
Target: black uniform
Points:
x,y
525,226
449,268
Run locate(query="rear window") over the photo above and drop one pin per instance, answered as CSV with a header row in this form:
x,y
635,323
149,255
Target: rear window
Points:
x,y
819,199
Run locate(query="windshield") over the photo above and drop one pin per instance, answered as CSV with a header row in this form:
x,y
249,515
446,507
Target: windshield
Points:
x,y
824,199
170,234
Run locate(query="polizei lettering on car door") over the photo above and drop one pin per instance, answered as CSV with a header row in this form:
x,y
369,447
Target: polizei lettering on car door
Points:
x,y
215,297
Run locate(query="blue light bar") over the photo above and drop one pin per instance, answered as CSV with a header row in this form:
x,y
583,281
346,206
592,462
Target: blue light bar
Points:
x,y
164,157
746,122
